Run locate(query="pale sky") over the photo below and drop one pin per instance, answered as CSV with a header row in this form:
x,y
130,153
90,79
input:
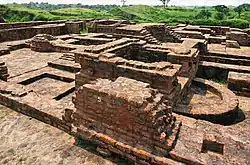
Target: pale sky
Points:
x,y
146,2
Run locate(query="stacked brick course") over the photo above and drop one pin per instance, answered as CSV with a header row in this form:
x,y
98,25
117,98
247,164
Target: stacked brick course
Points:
x,y
161,75
241,37
3,71
127,111
41,43
75,27
239,83
125,93
21,31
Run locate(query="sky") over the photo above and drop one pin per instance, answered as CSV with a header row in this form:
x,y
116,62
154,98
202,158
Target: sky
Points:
x,y
146,2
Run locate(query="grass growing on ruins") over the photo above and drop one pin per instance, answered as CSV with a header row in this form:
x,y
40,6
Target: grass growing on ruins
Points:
x,y
84,31
137,13
222,82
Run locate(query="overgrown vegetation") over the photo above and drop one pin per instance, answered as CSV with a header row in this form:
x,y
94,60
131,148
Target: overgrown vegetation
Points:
x,y
222,82
238,17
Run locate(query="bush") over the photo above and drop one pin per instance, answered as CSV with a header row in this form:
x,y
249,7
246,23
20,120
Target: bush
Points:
x,y
234,23
219,16
203,14
211,22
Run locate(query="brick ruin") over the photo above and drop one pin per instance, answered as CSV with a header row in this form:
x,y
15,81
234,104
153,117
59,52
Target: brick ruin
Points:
x,y
127,111
142,91
3,71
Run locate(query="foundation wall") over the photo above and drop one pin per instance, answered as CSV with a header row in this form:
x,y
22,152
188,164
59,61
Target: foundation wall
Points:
x,y
219,30
242,38
92,69
159,32
22,33
27,24
28,110
29,32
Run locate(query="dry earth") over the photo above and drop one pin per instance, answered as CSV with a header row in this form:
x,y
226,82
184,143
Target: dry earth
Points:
x,y
27,141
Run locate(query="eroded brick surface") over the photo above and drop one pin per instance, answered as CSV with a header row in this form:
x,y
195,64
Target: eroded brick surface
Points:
x,y
126,110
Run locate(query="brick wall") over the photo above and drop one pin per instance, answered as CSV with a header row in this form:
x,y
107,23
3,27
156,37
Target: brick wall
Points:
x,y
241,37
126,110
160,75
27,24
3,71
22,33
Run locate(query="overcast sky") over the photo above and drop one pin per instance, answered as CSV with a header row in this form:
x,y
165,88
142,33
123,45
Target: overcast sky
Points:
x,y
146,2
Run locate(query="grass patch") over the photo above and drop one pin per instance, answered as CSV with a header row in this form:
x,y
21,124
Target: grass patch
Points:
x,y
222,82
84,31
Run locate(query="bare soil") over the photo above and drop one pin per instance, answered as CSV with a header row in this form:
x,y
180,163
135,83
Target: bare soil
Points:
x,y
27,141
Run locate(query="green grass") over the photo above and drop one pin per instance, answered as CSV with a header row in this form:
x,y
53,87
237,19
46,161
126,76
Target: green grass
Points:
x,y
137,13
18,13
81,13
222,82
142,13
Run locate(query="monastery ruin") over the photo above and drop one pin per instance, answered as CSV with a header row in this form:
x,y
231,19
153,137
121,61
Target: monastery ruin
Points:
x,y
151,93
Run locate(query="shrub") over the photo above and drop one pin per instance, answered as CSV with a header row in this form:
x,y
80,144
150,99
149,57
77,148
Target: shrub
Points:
x,y
205,14
236,23
219,16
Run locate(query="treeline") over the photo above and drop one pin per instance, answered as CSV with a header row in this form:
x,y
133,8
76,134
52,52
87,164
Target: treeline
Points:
x,y
238,17
224,16
47,6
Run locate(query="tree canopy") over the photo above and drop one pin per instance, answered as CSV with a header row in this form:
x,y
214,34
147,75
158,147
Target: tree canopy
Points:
x,y
165,2
242,8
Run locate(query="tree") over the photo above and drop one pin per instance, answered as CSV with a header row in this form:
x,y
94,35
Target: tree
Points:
x,y
238,10
219,16
123,2
242,8
204,14
222,9
165,2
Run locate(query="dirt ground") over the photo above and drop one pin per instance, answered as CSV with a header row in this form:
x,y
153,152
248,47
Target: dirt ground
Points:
x,y
27,141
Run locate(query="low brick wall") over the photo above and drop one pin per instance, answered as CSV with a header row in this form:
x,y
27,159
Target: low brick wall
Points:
x,y
29,32
3,71
164,80
22,33
239,83
190,34
219,30
74,27
21,107
241,37
27,24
